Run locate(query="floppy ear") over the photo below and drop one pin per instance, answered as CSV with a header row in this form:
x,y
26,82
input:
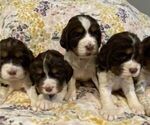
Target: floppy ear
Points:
x,y
69,71
141,47
31,71
64,38
30,55
103,58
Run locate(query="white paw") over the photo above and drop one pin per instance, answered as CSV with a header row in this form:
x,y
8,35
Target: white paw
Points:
x,y
137,109
41,105
111,113
55,105
44,105
71,97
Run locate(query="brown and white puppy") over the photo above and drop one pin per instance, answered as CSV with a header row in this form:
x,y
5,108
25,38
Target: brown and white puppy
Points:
x,y
143,80
50,74
15,59
81,38
118,62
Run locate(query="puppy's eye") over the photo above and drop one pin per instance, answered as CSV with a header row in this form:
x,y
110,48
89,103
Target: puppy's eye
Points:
x,y
54,71
123,56
78,32
94,29
58,74
39,71
19,54
4,54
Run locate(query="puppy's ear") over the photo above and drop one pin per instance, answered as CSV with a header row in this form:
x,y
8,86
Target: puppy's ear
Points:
x,y
30,55
69,71
103,58
64,41
31,71
140,52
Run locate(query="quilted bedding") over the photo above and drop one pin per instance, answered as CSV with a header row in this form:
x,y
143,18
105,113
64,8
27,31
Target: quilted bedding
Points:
x,y
38,23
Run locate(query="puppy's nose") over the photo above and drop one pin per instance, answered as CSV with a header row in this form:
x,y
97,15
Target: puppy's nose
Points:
x,y
133,70
49,89
89,47
12,72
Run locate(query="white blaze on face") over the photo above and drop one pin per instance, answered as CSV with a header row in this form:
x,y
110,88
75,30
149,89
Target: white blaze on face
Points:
x,y
9,67
133,39
129,65
48,83
45,66
87,39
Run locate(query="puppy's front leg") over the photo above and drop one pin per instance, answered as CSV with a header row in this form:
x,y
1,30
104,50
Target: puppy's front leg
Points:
x,y
44,103
71,94
109,111
129,91
32,94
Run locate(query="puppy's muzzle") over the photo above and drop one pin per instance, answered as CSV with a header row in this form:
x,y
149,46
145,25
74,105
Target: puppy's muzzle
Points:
x,y
12,72
89,47
48,89
133,70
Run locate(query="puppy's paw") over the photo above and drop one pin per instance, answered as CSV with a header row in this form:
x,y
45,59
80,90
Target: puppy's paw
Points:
x,y
71,97
55,105
137,109
43,105
111,113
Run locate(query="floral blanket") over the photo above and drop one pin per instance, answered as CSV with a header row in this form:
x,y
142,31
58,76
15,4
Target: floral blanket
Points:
x,y
38,23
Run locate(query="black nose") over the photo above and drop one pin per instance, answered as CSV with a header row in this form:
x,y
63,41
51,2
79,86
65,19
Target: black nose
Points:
x,y
12,72
89,47
49,89
133,70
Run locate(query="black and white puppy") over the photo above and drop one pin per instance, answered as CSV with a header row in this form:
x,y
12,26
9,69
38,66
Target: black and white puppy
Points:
x,y
81,38
15,59
50,74
118,62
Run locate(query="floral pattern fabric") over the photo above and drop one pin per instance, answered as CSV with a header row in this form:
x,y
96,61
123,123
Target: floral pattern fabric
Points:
x,y
39,23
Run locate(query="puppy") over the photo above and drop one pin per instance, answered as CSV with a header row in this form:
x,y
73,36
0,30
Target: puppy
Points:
x,y
118,62
81,39
15,59
143,80
50,74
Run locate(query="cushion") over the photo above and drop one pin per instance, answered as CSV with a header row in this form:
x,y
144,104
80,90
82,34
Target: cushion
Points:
x,y
39,23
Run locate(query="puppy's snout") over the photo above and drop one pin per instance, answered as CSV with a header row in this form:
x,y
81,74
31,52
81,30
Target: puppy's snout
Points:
x,y
49,89
12,72
133,70
89,47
